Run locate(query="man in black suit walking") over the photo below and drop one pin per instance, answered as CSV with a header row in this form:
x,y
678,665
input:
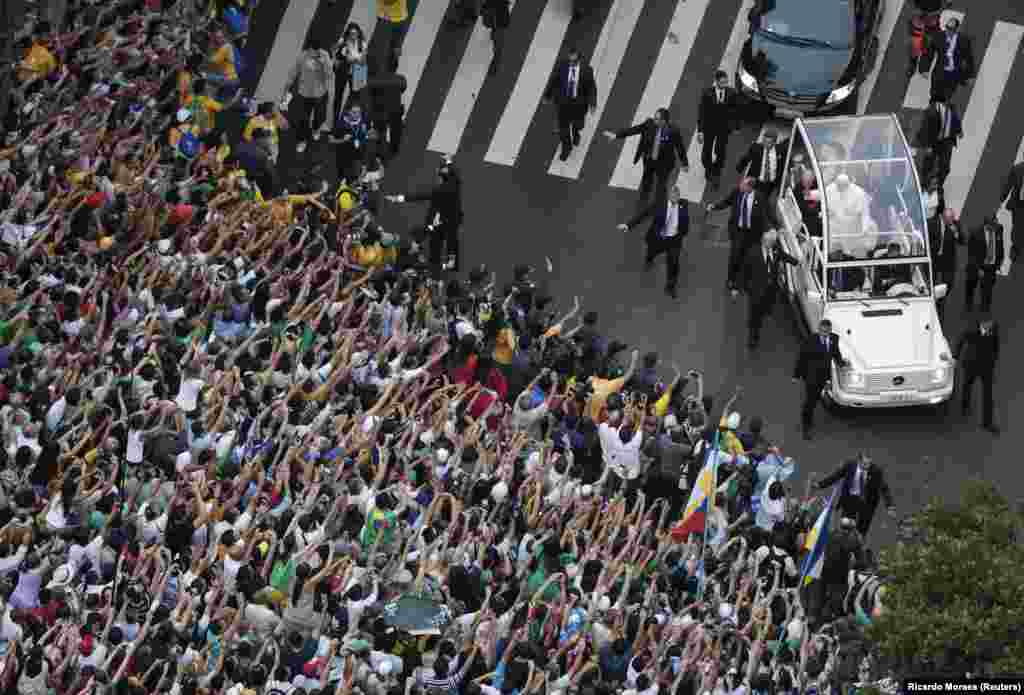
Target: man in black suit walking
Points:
x,y
977,353
496,17
1013,196
864,485
943,238
444,216
985,254
955,55
670,222
762,271
814,368
715,116
574,92
747,221
940,130
660,148
764,162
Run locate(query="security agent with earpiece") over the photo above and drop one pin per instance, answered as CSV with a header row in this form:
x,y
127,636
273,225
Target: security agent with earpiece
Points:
x,y
444,216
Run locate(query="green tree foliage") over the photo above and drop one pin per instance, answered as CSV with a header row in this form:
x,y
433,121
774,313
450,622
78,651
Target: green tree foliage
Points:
x,y
954,598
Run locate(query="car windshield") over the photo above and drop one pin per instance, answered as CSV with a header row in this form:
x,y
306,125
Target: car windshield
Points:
x,y
814,22
872,202
894,281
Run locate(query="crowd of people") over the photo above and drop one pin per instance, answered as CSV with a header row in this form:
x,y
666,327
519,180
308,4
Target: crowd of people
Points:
x,y
238,429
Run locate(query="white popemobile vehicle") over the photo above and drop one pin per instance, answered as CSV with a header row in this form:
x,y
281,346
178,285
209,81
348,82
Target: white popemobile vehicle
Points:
x,y
860,234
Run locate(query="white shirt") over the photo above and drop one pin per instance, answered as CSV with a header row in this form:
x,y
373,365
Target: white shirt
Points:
x,y
953,40
55,414
671,228
135,446
622,458
857,488
188,394
574,80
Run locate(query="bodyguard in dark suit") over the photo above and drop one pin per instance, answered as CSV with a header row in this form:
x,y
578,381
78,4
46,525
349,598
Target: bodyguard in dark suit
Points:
x,y
863,485
943,237
573,90
953,54
715,115
985,252
977,354
444,216
670,223
749,218
496,17
814,368
1013,196
660,148
941,128
764,162
762,281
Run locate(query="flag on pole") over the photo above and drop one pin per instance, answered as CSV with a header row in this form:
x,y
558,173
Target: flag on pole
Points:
x,y
817,539
702,498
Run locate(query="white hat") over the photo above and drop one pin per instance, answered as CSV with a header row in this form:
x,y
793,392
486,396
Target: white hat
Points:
x,y
183,115
604,603
843,179
586,491
499,492
385,668
61,577
733,421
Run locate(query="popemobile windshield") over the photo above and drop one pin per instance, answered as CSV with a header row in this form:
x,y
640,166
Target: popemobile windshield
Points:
x,y
852,212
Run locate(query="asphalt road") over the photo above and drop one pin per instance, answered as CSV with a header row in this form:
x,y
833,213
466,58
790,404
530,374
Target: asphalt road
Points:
x,y
521,214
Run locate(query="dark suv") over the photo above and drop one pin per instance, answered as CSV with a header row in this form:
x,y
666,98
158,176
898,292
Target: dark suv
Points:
x,y
808,57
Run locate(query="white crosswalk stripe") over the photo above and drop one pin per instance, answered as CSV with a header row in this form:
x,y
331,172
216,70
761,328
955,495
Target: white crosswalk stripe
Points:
x,y
466,87
611,57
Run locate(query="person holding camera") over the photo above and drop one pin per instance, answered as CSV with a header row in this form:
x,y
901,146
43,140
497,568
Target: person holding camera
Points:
x,y
444,216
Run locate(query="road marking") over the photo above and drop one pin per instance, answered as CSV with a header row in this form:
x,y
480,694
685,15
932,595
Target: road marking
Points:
x,y
891,12
664,79
986,95
465,88
287,45
919,90
526,95
1006,219
607,60
426,24
692,183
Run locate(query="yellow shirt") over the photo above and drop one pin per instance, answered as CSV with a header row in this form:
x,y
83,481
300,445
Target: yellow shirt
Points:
x,y
38,63
661,405
505,346
205,112
184,88
257,122
603,388
393,10
728,441
224,59
373,255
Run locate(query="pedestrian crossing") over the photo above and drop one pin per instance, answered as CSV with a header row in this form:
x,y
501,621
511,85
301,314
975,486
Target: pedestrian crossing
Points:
x,y
656,66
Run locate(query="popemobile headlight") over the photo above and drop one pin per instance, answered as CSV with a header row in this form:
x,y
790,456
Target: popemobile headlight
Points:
x,y
939,374
747,80
841,94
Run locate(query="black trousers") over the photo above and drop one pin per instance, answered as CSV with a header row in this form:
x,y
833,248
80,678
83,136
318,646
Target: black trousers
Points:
x,y
944,83
571,118
1016,218
857,508
443,241
655,175
386,44
391,129
759,308
739,243
984,276
498,39
311,114
712,153
985,376
812,394
672,248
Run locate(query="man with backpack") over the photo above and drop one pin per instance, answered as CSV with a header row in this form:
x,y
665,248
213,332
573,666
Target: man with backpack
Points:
x,y
311,83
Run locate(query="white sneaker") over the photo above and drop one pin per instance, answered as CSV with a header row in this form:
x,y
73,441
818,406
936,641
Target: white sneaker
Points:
x,y
301,147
